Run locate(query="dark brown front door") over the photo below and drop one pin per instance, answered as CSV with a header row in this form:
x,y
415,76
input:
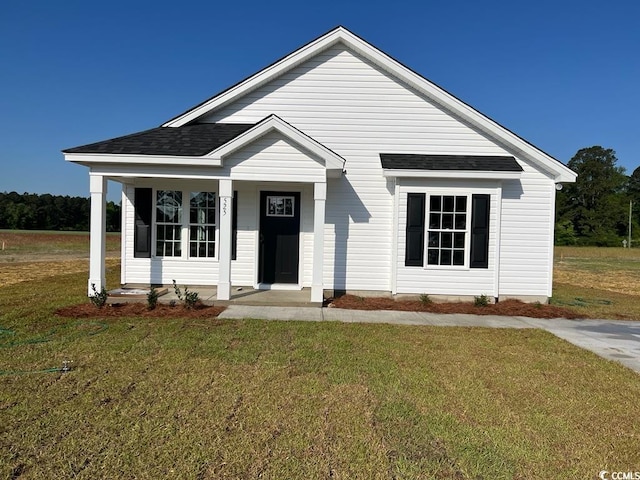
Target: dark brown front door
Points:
x,y
279,237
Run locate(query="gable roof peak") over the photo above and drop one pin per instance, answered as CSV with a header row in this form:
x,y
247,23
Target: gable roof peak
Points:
x,y
556,170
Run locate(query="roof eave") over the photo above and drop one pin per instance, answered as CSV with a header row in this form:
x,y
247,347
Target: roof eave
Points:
x,y
89,159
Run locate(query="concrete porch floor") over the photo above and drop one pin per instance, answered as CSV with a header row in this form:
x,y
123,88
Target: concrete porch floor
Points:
x,y
239,296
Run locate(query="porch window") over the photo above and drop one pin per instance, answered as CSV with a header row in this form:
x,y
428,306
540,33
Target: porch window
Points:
x,y
168,223
202,224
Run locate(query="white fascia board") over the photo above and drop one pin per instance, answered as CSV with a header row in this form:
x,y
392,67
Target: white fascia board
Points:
x,y
557,171
89,159
332,160
397,172
167,171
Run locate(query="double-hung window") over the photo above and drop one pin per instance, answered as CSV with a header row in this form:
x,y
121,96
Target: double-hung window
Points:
x,y
447,230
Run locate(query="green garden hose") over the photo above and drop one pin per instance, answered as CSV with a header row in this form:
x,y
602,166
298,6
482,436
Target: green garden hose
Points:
x,y
47,337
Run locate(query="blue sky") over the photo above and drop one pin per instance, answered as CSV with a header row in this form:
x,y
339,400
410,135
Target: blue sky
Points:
x,y
562,74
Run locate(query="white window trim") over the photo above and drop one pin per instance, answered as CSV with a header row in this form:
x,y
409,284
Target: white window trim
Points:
x,y
155,224
467,231
205,224
185,227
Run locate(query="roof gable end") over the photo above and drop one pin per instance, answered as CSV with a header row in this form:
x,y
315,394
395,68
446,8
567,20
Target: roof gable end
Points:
x,y
334,163
523,149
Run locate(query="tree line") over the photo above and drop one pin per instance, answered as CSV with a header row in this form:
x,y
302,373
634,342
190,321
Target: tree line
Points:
x,y
29,211
592,211
595,209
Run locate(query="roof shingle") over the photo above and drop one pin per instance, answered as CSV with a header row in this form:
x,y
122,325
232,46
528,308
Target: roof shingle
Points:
x,y
189,140
406,161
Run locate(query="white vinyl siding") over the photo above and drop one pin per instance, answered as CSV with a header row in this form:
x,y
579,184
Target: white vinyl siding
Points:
x,y
451,280
359,111
273,158
163,270
526,249
204,271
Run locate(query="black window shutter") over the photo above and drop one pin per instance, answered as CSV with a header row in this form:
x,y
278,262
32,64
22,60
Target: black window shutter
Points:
x,y
234,225
480,231
143,205
414,251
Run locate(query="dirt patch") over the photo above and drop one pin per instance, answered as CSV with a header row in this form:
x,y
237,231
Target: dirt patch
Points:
x,y
508,307
620,281
88,310
26,271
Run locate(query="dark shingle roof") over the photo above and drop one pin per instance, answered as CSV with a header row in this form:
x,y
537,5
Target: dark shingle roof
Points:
x,y
189,140
405,161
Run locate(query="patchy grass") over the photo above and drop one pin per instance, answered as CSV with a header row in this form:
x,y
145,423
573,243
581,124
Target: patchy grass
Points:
x,y
36,243
599,282
208,398
32,255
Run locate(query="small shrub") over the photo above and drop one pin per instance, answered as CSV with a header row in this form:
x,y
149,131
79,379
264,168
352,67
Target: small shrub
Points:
x,y
481,301
190,298
425,299
172,303
99,299
152,298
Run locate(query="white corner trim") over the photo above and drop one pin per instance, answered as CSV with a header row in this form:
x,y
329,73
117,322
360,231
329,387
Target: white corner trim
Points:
x,y
498,237
394,237
397,172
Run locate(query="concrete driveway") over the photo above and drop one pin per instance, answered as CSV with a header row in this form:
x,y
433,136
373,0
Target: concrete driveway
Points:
x,y
615,340
611,339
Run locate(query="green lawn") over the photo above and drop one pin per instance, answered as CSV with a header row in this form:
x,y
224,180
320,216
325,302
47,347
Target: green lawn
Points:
x,y
246,399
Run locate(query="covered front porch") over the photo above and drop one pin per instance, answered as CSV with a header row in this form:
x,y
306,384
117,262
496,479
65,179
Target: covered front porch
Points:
x,y
259,194
234,265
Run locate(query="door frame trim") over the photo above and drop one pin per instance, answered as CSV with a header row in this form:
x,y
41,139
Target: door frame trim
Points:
x,y
301,189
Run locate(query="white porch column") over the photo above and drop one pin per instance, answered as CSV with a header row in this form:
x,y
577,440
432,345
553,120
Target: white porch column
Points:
x,y
98,228
224,245
317,283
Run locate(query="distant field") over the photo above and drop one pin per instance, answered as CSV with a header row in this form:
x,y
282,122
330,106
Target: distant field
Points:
x,y
597,281
31,255
36,243
600,281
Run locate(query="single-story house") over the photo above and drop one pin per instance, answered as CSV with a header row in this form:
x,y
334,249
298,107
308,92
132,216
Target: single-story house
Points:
x,y
334,168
